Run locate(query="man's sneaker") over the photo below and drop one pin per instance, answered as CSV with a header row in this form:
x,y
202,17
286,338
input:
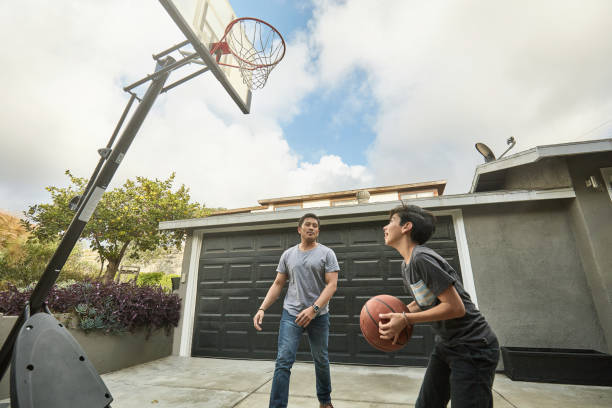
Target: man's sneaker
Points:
x,y
328,405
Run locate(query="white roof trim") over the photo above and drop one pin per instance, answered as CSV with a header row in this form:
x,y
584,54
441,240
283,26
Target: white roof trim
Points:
x,y
541,152
365,210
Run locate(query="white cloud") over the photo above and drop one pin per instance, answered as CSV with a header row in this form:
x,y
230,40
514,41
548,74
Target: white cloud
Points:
x,y
443,75
448,74
66,66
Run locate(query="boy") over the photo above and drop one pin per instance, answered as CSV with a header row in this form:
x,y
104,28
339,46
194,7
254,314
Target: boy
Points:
x,y
462,365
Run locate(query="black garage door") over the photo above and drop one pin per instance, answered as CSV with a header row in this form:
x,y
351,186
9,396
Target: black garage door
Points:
x,y
236,269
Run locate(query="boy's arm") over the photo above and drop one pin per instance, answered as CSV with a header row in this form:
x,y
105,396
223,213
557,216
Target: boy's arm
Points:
x,y
413,307
450,307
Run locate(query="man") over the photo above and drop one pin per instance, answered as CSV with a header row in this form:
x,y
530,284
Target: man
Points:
x,y
312,271
462,365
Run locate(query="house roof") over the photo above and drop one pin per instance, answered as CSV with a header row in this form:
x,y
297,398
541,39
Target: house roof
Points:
x,y
238,210
365,211
493,172
438,185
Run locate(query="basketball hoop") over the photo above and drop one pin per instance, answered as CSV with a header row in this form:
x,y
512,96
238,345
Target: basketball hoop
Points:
x,y
256,46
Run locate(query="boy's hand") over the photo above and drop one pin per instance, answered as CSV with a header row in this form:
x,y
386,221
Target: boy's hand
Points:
x,y
393,327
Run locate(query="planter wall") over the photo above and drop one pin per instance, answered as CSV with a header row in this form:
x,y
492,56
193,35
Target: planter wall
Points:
x,y
563,366
106,352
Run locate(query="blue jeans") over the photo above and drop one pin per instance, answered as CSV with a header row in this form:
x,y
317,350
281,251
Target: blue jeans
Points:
x,y
289,335
463,373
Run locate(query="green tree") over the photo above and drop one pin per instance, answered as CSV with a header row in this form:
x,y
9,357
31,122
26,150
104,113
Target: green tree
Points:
x,y
127,216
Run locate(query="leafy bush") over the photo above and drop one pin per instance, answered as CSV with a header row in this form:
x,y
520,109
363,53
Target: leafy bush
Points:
x,y
166,281
111,307
150,278
22,262
156,279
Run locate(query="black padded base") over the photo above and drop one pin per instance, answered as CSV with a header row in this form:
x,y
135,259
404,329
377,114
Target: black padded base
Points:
x,y
49,369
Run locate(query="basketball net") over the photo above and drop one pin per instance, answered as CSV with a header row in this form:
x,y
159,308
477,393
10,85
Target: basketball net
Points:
x,y
256,46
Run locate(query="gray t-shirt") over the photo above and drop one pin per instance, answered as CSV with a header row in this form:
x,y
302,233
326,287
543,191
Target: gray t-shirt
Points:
x,y
426,276
306,270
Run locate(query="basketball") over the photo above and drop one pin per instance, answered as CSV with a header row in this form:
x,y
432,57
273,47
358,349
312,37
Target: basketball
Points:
x,y
368,322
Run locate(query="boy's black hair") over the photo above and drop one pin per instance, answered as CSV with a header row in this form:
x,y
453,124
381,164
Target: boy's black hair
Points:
x,y
308,215
423,221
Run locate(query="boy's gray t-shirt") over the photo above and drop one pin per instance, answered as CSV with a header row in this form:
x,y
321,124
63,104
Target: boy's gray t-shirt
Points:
x,y
306,270
426,276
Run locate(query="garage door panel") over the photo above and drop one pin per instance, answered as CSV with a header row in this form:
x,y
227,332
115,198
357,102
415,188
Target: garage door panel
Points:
x,y
364,268
235,340
207,340
420,342
239,273
342,277
366,235
237,306
265,341
241,243
339,343
333,238
237,269
210,306
269,241
213,245
211,273
274,311
292,239
265,272
339,305
444,230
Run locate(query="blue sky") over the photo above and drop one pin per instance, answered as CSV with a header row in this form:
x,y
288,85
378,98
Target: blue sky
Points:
x,y
286,16
367,95
337,121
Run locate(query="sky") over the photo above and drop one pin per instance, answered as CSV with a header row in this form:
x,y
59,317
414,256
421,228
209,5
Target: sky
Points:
x,y
368,94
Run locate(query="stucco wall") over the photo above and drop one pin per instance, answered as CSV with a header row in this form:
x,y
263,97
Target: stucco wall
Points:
x,y
548,173
529,277
106,352
591,215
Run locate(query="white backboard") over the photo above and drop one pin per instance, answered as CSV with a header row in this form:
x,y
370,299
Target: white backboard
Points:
x,y
203,22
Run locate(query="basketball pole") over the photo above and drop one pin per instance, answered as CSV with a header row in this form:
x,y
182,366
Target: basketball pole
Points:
x,y
87,204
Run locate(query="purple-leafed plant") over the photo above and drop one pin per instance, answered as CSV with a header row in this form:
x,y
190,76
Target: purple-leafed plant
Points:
x,y
112,307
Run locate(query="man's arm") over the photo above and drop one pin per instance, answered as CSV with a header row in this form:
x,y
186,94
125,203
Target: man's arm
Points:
x,y
331,284
273,294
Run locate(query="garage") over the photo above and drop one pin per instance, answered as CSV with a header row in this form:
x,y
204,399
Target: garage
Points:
x,y
236,268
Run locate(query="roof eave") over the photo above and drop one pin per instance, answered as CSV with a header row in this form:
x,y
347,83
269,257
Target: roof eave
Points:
x,y
538,153
439,202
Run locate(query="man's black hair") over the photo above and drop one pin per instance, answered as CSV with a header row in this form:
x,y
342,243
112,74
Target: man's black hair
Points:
x,y
308,215
423,221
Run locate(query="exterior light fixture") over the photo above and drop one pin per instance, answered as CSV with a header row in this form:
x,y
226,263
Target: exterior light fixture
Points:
x,y
488,153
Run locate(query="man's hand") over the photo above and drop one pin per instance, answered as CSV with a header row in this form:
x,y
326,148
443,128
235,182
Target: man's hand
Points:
x,y
393,327
257,319
305,317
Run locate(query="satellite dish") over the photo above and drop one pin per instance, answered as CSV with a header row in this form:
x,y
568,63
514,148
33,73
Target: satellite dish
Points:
x,y
485,151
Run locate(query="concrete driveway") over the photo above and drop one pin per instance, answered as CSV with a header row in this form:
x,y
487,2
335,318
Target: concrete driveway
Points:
x,y
216,383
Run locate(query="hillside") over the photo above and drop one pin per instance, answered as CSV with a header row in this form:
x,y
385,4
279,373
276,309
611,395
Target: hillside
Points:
x,y
10,228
